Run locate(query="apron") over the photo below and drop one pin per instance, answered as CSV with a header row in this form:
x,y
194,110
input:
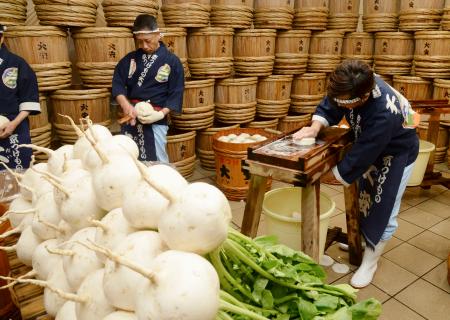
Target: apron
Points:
x,y
143,135
378,191
10,153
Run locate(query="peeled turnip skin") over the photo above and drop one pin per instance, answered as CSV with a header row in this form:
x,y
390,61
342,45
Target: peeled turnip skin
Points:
x,y
198,222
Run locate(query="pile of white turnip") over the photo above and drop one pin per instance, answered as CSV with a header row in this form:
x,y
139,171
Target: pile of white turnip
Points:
x,y
110,238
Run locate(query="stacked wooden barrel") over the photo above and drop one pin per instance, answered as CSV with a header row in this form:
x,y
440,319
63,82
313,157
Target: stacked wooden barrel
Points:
x,y
13,12
291,52
393,52
307,91
236,14
432,54
358,45
310,14
120,13
418,15
325,50
41,129
343,15
175,40
187,14
181,151
273,96
414,88
73,13
273,14
380,15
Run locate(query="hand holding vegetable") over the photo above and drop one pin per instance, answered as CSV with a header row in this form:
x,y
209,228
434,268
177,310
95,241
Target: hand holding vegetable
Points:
x,y
152,117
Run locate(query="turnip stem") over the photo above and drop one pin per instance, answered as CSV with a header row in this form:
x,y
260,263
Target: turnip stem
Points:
x,y
44,284
10,232
8,249
29,274
89,124
74,126
47,174
143,170
47,151
119,259
94,145
222,315
225,306
99,224
7,213
58,186
61,252
13,173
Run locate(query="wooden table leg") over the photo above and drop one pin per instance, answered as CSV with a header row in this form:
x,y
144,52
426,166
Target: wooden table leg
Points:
x,y
253,207
310,203
352,217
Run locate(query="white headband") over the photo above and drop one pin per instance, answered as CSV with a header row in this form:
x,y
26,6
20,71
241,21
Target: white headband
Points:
x,y
3,29
146,31
347,101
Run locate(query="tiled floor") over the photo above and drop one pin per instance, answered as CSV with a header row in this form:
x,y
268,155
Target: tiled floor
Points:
x,y
411,280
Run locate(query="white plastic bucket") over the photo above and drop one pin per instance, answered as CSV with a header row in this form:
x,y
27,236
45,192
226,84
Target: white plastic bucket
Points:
x,y
281,208
420,165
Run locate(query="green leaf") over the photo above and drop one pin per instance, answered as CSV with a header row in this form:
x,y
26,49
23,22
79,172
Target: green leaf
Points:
x,y
258,288
267,240
267,299
327,303
369,309
306,309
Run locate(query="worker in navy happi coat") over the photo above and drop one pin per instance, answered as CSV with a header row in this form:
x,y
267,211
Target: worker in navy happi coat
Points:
x,y
382,156
153,74
19,97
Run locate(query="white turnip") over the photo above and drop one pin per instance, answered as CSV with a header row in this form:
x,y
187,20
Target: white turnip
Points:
x,y
120,315
67,311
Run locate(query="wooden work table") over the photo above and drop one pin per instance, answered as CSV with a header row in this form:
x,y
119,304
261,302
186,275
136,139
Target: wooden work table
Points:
x,y
303,169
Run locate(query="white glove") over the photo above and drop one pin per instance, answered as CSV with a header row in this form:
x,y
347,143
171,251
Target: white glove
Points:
x,y
152,117
143,109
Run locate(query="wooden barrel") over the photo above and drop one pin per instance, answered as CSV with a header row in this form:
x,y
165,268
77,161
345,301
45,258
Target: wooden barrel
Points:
x,y
175,40
307,91
273,96
79,104
187,14
210,52
45,48
236,14
291,52
41,129
417,15
254,52
291,123
120,13
13,12
263,123
198,106
445,22
230,176
432,54
273,14
442,141
181,151
343,15
387,78
441,89
414,88
204,144
358,45
74,13
325,50
98,51
310,14
393,52
380,15
235,100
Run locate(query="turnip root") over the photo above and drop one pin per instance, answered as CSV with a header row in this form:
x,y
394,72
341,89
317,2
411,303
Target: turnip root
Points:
x,y
46,218
26,222
120,315
185,286
198,222
27,243
118,144
67,311
78,261
166,180
56,158
44,262
57,279
119,283
112,230
19,204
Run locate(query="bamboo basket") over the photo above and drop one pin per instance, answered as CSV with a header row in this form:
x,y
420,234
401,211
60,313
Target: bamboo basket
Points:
x,y
380,15
432,54
210,52
187,14
273,96
230,176
273,14
204,145
98,51
45,49
73,13
393,53
343,15
237,14
235,100
13,12
175,41
325,51
120,13
254,52
198,106
418,15
307,91
291,52
181,151
310,14
359,46
441,89
414,88
292,123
